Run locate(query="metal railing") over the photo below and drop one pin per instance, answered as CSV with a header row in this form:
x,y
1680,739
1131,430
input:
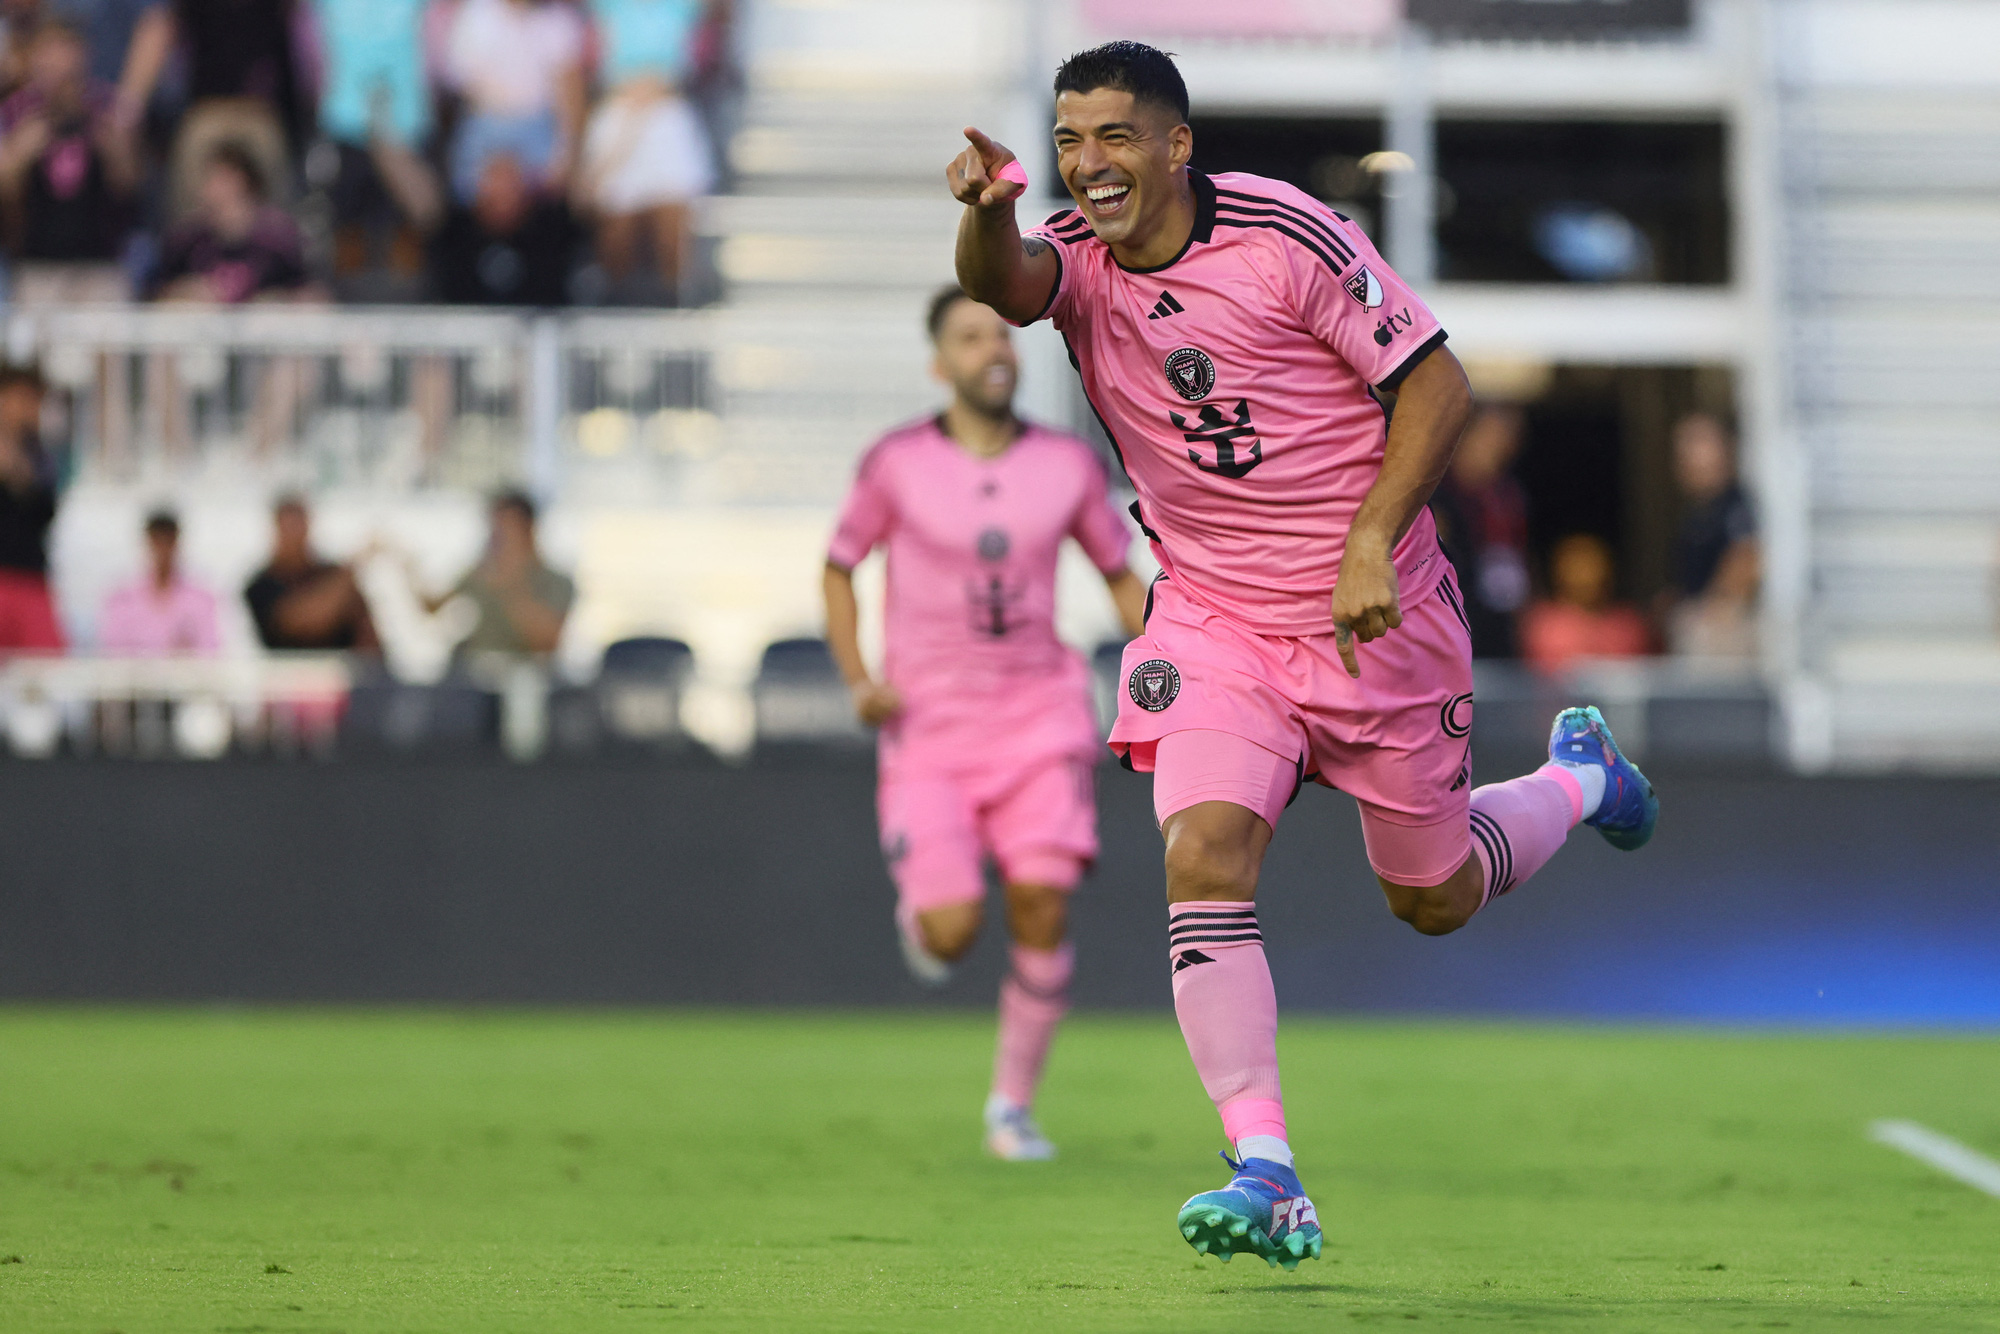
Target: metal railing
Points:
x,y
385,397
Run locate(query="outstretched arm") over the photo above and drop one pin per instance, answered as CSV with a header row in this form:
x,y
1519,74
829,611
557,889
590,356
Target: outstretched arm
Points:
x,y
995,266
1432,405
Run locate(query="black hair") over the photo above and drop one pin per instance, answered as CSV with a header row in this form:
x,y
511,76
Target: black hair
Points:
x,y
23,376
163,522
941,303
289,500
514,498
239,159
1146,72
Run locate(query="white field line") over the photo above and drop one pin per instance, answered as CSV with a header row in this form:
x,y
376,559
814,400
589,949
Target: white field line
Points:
x,y
1944,1153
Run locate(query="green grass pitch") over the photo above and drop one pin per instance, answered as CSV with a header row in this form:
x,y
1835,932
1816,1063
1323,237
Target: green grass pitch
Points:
x,y
414,1171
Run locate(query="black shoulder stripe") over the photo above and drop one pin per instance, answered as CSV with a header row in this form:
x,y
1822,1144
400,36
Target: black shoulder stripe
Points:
x,y
1073,237
1059,215
1274,208
1076,220
1222,220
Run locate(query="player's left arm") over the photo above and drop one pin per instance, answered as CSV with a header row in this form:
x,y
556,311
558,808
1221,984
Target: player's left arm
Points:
x,y
1432,405
1128,594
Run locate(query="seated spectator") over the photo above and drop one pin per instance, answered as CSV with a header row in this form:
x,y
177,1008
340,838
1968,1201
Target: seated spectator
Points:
x,y
161,614
243,85
518,65
375,114
300,601
108,28
1717,566
645,153
19,21
1482,518
236,247
510,248
521,602
27,509
68,174
1581,620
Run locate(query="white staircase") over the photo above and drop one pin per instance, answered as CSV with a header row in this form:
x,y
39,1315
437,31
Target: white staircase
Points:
x,y
1892,307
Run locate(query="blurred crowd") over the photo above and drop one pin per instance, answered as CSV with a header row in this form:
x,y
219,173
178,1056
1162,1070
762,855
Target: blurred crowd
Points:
x,y
518,152
1569,608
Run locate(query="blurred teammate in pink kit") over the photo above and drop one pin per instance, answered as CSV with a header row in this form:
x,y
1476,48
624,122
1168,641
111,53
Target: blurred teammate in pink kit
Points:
x,y
988,737
1239,340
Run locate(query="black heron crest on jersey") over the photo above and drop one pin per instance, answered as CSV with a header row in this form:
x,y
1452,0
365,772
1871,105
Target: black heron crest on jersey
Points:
x,y
1190,373
1154,684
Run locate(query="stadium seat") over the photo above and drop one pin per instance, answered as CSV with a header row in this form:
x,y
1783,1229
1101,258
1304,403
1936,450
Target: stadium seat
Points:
x,y
800,698
392,716
638,693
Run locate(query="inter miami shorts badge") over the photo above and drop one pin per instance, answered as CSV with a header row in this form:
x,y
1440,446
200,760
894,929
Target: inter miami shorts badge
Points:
x,y
1154,684
1362,286
1191,373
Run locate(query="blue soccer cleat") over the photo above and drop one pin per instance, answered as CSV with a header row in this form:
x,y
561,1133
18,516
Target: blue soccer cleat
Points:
x,y
1262,1211
1629,810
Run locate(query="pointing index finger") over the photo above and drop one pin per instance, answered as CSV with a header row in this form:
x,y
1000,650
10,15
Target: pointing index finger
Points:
x,y
1343,640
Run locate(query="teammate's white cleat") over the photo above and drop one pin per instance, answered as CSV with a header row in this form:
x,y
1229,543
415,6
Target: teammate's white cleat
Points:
x,y
926,967
1012,1135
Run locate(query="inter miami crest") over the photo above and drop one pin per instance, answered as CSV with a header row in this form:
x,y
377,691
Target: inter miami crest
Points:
x,y
1154,684
1191,373
1362,286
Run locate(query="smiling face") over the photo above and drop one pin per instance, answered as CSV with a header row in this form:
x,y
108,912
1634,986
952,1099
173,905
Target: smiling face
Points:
x,y
1123,160
975,356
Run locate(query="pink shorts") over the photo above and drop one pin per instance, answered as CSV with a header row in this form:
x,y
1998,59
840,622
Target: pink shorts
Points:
x,y
1219,713
1038,822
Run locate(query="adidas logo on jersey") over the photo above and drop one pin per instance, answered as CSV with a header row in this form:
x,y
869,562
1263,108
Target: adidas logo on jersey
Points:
x,y
1166,307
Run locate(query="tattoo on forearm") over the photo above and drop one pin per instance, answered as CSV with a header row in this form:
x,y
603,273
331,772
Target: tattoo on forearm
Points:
x,y
1032,246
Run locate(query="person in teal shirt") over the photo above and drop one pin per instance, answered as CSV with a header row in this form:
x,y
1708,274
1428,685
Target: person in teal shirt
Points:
x,y
646,154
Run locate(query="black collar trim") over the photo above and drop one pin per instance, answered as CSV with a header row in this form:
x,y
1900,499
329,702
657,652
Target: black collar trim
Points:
x,y
1204,222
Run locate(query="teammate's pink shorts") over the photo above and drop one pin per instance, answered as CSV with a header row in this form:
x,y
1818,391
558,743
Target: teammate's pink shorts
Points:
x,y
966,777
1038,822
1218,713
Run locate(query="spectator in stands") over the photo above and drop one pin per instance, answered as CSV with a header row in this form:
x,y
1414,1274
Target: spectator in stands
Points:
x,y
237,246
161,614
68,174
510,247
645,153
1581,620
375,114
19,21
27,509
107,27
300,601
518,65
521,602
1717,564
243,86
1482,517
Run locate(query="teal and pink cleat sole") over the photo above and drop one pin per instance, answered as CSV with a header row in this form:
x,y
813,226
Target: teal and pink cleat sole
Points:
x,y
1263,1211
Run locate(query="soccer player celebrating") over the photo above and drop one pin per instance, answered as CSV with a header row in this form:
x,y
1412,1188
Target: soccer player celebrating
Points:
x,y
1238,340
988,736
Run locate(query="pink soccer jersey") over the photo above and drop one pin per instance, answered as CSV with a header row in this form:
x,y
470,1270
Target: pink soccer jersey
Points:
x,y
972,546
1236,382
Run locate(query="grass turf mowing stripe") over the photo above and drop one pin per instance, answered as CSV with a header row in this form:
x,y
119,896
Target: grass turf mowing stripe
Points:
x,y
1943,1152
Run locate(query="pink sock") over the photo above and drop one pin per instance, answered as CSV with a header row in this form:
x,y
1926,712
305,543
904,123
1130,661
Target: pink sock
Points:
x,y
1033,999
1518,825
1228,1012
